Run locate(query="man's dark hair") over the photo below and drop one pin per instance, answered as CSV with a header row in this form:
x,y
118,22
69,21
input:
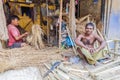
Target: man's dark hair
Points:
x,y
13,17
89,24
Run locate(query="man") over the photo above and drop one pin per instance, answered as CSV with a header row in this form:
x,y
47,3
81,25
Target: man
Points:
x,y
15,39
86,42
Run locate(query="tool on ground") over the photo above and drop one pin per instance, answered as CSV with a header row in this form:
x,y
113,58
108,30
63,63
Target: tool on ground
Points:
x,y
52,68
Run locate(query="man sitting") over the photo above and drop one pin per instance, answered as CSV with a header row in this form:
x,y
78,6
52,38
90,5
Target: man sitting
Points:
x,y
86,42
15,39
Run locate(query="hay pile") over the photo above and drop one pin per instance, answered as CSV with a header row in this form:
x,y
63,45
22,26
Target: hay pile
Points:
x,y
35,39
27,56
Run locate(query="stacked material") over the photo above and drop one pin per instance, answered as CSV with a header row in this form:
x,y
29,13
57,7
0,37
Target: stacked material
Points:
x,y
60,71
35,39
27,56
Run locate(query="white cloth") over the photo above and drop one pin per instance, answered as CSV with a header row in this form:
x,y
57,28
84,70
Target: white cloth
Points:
x,y
30,73
3,28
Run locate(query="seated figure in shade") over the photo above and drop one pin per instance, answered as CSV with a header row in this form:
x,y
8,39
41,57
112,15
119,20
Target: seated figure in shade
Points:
x,y
86,43
15,38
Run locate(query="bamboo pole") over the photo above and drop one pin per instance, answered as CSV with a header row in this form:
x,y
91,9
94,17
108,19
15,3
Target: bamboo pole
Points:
x,y
74,50
48,38
105,18
60,19
55,74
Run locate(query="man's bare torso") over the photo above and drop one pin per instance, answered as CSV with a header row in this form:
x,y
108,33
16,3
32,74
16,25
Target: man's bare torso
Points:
x,y
88,40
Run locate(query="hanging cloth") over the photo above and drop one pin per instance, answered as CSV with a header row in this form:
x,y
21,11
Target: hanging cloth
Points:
x,y
3,28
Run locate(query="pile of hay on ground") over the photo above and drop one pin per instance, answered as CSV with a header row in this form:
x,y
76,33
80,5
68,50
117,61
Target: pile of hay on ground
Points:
x,y
27,56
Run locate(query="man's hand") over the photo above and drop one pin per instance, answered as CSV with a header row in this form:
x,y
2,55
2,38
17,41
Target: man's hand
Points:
x,y
26,33
21,36
92,50
97,50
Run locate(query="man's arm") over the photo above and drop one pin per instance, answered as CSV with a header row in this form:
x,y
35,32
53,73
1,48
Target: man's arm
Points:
x,y
21,36
101,41
79,42
16,35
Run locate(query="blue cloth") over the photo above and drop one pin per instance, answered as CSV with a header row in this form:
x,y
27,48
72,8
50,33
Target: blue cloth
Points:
x,y
63,26
68,42
95,1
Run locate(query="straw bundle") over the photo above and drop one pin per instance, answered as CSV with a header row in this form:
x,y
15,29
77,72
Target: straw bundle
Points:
x,y
27,56
35,39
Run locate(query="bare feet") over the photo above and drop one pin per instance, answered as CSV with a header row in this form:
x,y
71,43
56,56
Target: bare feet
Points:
x,y
23,44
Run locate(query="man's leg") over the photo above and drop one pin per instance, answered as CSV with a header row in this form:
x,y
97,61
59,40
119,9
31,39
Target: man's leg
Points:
x,y
18,45
81,54
88,56
23,44
98,55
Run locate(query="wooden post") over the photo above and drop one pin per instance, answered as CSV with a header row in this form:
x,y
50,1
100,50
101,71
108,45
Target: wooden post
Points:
x,y
105,16
108,6
72,23
60,20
